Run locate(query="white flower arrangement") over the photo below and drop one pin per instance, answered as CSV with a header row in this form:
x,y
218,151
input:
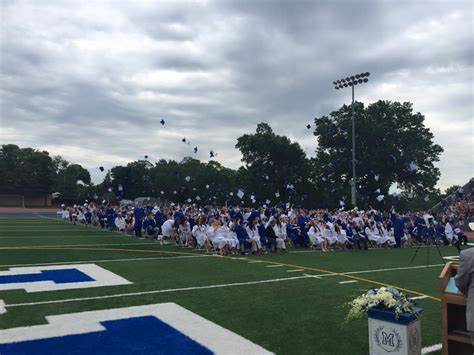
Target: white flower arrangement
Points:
x,y
386,298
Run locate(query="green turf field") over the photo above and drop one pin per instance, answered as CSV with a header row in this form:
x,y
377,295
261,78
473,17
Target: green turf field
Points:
x,y
273,300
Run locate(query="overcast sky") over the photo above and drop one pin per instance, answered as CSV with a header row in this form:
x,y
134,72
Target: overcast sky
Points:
x,y
91,80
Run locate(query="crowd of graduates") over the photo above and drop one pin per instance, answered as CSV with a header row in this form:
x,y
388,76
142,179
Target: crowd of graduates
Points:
x,y
229,230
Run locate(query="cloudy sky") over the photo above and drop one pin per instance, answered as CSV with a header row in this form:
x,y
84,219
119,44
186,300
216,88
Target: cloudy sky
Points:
x,y
91,80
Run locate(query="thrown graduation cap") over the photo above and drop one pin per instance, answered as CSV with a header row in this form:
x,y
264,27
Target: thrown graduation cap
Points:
x,y
378,190
342,203
231,193
240,193
194,189
146,156
120,187
162,122
277,194
162,192
412,166
101,168
183,140
198,198
207,186
187,178
376,177
427,198
323,178
267,201
211,154
174,192
195,149
380,198
267,177
308,126
189,200
110,189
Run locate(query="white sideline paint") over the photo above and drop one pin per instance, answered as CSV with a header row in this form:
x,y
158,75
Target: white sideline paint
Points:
x,y
2,307
279,265
211,335
453,258
101,276
348,282
418,297
295,270
77,245
107,260
381,270
157,291
431,349
313,276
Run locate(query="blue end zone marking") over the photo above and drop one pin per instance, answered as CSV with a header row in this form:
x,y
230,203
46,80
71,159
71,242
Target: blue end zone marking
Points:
x,y
57,276
138,335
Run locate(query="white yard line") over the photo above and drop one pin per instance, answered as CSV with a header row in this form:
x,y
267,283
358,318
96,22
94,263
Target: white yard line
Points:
x,y
279,265
418,297
295,270
106,260
381,270
313,276
156,292
431,349
75,245
348,282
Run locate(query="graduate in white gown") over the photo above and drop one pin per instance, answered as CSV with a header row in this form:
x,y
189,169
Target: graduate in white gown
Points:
x,y
199,232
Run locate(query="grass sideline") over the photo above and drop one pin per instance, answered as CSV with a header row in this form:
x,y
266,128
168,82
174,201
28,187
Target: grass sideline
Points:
x,y
288,303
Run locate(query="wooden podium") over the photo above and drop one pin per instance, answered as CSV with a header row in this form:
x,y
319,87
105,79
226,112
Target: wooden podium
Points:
x,y
456,340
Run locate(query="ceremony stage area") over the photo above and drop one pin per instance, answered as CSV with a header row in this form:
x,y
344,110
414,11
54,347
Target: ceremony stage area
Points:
x,y
286,303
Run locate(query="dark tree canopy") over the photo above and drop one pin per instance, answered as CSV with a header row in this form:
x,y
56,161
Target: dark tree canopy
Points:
x,y
271,164
25,170
393,146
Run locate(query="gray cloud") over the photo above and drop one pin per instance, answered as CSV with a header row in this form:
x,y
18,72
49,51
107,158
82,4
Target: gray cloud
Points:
x,y
92,81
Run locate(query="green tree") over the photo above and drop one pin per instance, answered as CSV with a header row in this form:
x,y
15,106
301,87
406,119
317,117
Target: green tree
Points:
x,y
273,164
393,146
24,170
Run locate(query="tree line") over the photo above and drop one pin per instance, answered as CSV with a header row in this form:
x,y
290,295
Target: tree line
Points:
x,y
393,148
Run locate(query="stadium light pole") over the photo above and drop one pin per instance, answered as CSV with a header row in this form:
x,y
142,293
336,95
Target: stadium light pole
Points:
x,y
352,81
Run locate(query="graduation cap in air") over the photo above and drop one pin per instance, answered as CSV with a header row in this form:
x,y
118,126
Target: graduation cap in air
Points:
x,y
308,126
240,193
174,192
207,186
412,166
183,140
187,178
195,149
162,192
198,198
323,178
427,198
162,122
146,156
101,168
277,194
378,190
110,189
120,187
211,154
267,201
380,198
189,200
377,177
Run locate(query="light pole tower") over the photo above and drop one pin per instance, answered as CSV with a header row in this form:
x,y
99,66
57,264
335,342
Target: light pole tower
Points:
x,y
352,81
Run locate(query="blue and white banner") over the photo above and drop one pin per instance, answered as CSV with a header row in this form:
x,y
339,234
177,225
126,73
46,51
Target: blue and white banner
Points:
x,y
165,328
58,277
